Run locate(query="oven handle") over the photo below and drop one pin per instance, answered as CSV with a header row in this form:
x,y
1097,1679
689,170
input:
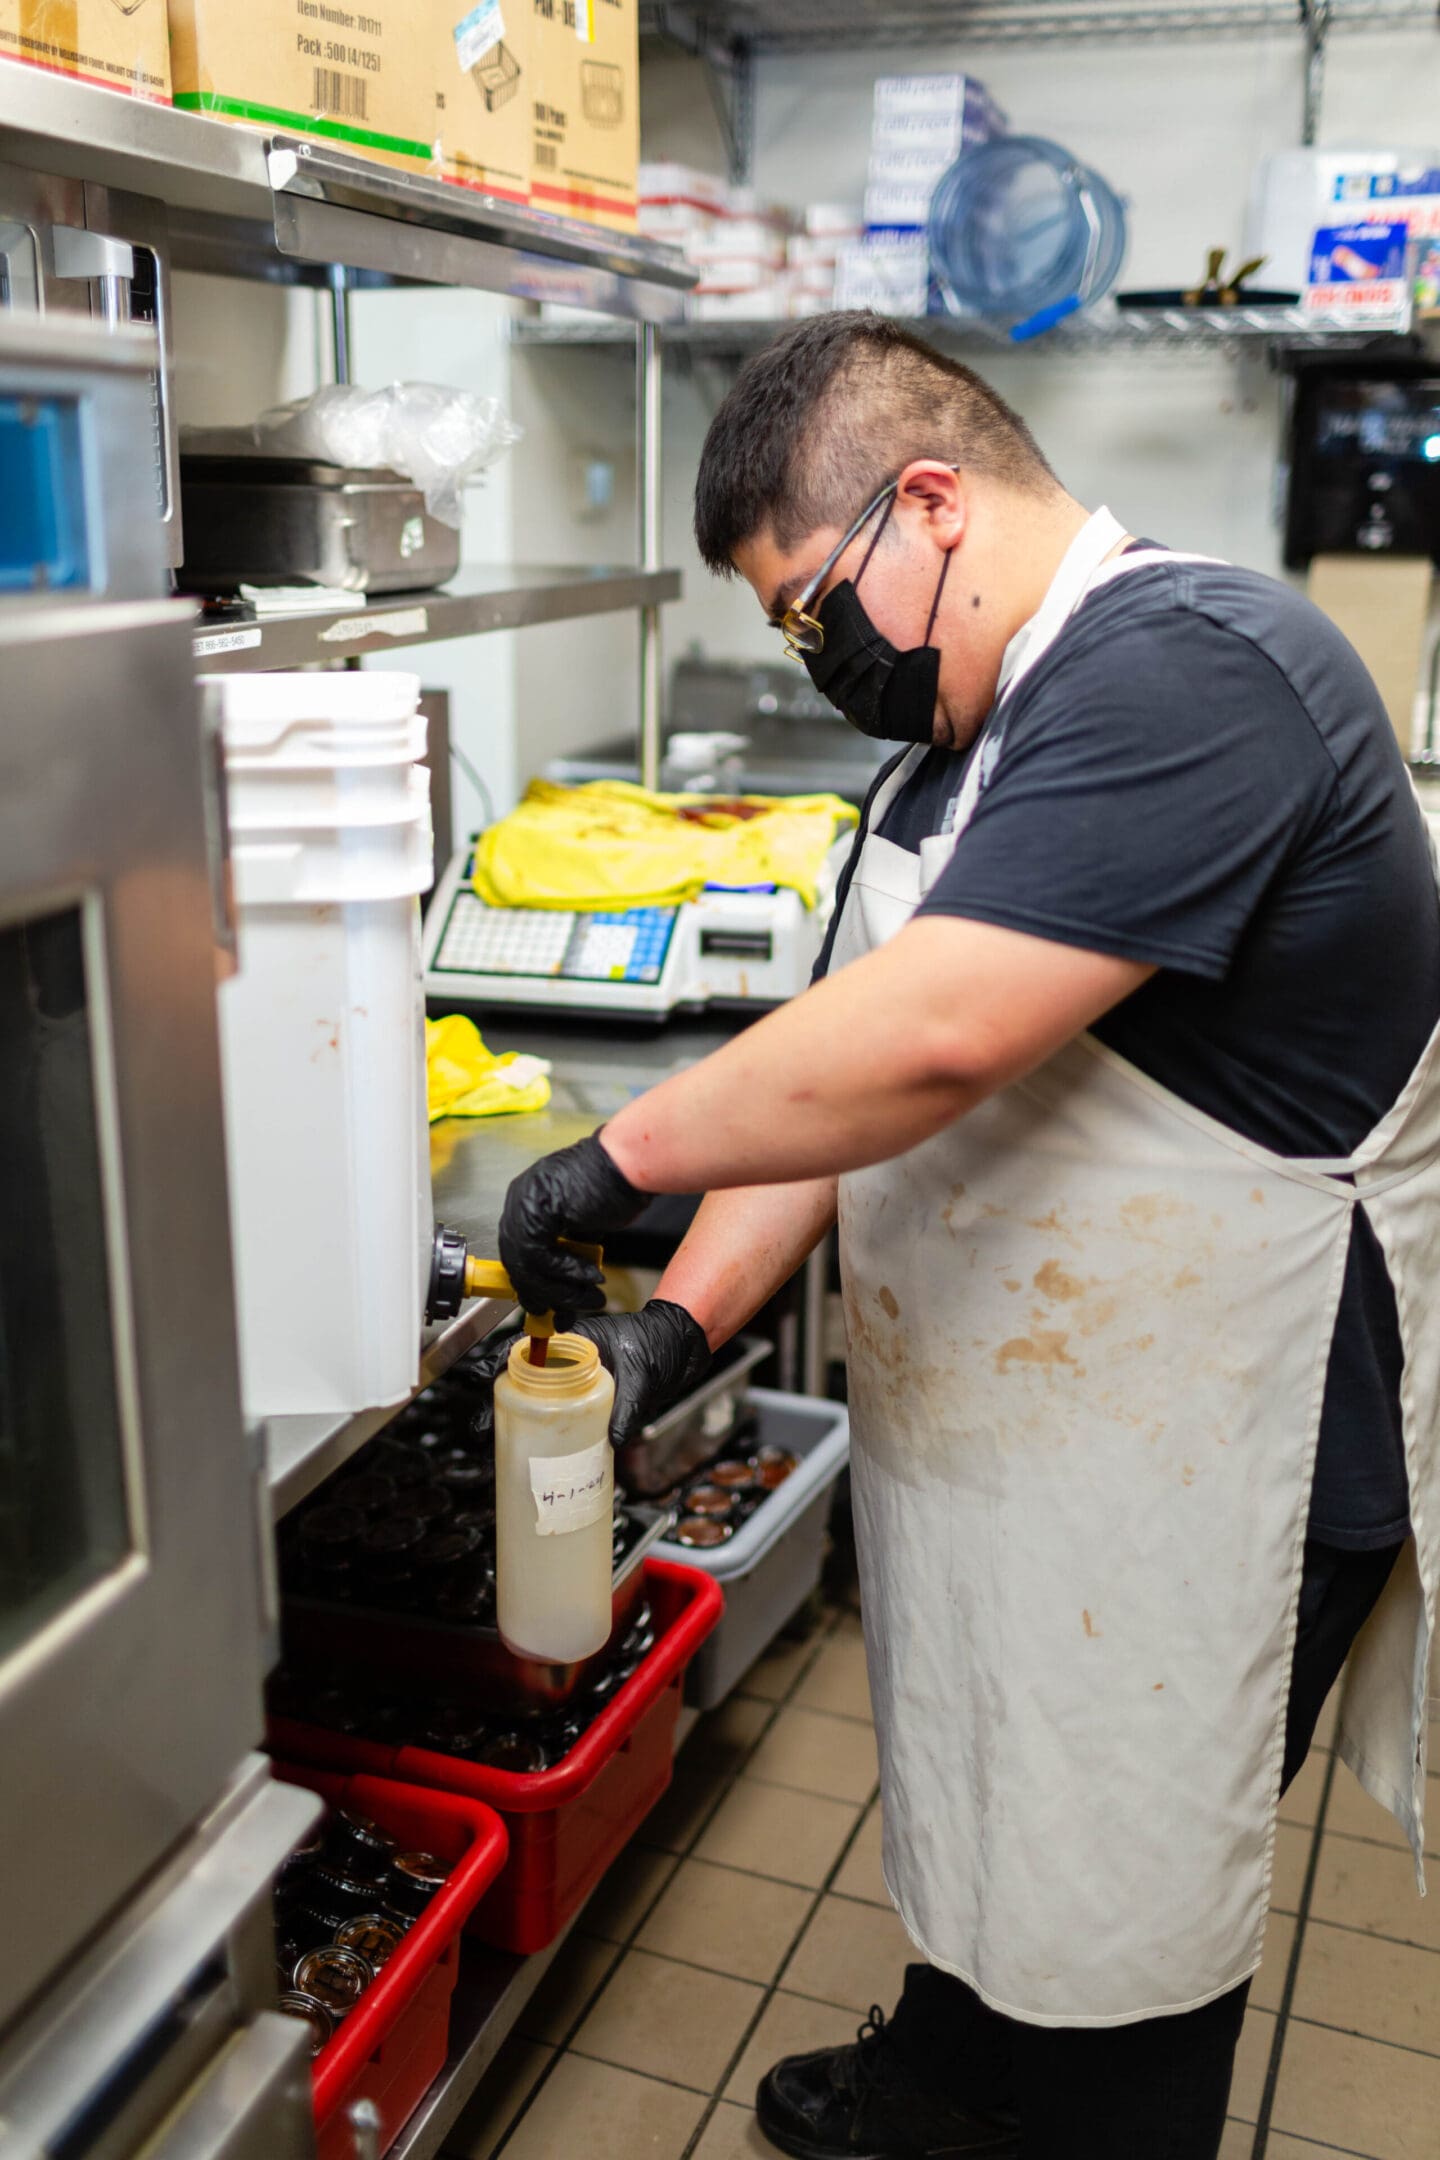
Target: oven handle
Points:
x,y
217,833
253,2103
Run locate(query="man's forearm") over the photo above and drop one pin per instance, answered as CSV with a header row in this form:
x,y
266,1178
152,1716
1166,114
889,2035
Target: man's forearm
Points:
x,y
871,1062
742,1246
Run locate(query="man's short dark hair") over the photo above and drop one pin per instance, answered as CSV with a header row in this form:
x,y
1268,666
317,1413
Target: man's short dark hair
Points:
x,y
817,423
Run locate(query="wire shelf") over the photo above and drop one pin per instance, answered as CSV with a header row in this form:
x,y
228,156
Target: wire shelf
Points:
x,y
760,27
1107,330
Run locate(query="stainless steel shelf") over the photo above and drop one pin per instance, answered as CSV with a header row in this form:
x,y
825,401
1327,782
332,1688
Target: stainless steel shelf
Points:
x,y
505,598
1108,330
246,203
810,25
301,1452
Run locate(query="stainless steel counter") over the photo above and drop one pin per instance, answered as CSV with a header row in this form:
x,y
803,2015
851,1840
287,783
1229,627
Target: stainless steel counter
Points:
x,y
595,1072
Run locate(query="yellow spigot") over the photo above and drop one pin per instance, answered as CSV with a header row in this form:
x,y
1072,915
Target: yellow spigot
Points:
x,y
475,1277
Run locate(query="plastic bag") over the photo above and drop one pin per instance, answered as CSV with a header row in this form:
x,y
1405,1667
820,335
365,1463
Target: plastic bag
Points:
x,y
444,440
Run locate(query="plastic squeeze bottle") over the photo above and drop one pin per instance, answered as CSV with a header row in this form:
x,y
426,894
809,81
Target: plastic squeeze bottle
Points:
x,y
554,1498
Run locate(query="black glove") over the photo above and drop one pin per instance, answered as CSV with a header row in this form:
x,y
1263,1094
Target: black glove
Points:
x,y
575,1193
655,1355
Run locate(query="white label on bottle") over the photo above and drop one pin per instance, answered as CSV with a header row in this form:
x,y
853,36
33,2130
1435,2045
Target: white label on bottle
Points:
x,y
571,1491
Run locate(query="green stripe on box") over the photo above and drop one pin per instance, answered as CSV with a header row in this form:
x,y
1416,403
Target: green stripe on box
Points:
x,y
207,101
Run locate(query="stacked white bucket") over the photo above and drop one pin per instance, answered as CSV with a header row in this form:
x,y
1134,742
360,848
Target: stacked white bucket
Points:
x,y
322,1035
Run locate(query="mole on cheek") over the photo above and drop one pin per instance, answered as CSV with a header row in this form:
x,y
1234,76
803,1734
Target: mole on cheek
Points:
x,y
975,599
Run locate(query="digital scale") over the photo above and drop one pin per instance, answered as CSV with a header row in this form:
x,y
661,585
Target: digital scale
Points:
x,y
724,948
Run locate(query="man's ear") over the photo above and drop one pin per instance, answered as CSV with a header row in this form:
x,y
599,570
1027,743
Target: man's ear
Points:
x,y
938,493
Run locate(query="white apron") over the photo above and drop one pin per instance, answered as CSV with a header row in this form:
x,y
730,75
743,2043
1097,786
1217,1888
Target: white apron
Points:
x,y
1088,1334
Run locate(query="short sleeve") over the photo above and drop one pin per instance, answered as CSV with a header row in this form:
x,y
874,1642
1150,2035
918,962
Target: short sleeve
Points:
x,y
1156,774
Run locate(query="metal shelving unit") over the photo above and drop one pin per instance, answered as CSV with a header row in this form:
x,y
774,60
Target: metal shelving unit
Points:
x,y
1108,330
246,204
730,35
511,597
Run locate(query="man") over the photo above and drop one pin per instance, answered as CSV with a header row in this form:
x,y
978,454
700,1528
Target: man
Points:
x,y
1120,1072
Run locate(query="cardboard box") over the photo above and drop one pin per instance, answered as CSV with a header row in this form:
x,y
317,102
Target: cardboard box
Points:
x,y
95,40
585,142
483,70
353,72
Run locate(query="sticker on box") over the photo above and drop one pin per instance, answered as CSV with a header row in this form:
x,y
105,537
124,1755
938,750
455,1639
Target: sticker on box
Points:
x,y
1359,253
476,32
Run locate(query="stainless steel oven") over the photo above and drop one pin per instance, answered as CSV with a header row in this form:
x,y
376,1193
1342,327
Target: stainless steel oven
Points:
x,y
130,1569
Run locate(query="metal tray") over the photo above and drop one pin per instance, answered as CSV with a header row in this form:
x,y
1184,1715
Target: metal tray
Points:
x,y
252,520
696,1428
368,1641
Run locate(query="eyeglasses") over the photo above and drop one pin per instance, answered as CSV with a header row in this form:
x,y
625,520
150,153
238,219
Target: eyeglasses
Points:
x,y
801,632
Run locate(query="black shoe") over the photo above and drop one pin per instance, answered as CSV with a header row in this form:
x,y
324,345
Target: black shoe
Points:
x,y
864,2103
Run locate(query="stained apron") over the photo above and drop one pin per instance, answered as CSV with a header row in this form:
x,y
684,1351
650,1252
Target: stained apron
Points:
x,y
1089,1328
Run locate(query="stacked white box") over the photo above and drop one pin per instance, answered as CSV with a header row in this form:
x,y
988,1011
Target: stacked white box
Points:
x,y
920,125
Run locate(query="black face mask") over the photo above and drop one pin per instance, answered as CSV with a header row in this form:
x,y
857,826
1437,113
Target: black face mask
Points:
x,y
883,692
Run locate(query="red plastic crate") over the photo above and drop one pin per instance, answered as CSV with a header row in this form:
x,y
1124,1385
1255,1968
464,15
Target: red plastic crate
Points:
x,y
392,2046
565,1825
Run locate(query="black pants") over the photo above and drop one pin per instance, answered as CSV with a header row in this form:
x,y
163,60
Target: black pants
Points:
x,y
1155,2090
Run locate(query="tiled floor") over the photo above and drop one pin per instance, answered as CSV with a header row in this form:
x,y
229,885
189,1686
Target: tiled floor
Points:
x,y
749,1921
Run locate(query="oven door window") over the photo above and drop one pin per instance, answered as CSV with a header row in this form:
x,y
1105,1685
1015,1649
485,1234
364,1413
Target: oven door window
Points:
x,y
64,1519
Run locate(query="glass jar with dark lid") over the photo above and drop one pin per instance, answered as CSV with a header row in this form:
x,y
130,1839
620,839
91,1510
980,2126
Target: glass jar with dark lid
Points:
x,y
335,1976
467,1598
358,1843
328,1541
466,1477
413,1880
387,1552
519,1752
367,1489
313,2012
375,1935
400,1461
346,1888
429,1504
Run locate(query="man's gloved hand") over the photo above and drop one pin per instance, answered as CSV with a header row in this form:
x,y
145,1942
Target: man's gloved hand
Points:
x,y
655,1355
575,1193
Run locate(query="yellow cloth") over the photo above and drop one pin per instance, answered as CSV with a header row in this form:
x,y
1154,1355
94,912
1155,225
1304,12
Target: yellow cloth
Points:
x,y
464,1079
612,845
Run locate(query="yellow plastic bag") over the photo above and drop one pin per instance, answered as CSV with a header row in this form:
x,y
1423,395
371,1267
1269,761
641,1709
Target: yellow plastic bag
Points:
x,y
464,1079
612,845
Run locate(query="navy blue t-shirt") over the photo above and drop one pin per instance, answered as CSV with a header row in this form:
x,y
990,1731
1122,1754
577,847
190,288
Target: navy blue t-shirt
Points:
x,y
1200,774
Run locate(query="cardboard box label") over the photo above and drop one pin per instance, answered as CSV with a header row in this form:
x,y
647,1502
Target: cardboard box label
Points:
x,y
350,71
483,27
119,47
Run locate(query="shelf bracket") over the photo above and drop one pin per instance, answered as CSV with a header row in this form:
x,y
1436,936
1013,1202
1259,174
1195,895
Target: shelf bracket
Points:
x,y
1315,19
729,68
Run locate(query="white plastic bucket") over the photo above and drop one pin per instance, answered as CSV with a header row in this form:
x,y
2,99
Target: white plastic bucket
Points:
x,y
387,797
310,746
323,1045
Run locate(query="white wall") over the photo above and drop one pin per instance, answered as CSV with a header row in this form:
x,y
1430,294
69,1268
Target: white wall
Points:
x,y
459,338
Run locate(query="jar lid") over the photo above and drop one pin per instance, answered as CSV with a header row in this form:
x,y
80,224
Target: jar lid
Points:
x,y
295,2003
335,1976
374,1935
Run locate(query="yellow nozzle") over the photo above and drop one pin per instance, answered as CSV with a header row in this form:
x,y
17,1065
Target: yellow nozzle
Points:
x,y
487,1278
